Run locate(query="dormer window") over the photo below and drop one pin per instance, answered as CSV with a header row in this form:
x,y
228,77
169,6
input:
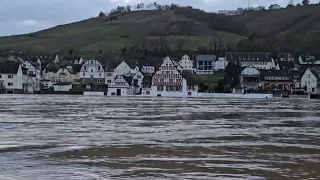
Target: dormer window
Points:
x,y
99,67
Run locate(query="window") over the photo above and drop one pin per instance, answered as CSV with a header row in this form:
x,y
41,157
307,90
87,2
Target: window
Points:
x,y
309,83
109,74
10,76
313,89
0,76
98,67
92,70
138,76
100,74
99,81
167,72
84,74
91,62
159,88
91,76
147,92
108,81
85,67
10,84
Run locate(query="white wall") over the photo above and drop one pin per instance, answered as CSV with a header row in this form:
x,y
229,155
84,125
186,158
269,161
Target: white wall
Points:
x,y
148,69
220,64
124,91
122,69
310,80
92,93
92,69
186,63
183,93
230,95
16,80
33,82
62,88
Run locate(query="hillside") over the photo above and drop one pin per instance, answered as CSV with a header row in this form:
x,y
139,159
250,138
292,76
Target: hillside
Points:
x,y
150,29
294,29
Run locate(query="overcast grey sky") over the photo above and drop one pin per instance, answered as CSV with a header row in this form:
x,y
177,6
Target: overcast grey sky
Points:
x,y
25,16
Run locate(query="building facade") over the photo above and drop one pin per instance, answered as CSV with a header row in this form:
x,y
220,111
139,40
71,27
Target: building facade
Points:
x,y
260,60
205,64
121,86
34,74
11,78
92,72
168,82
311,80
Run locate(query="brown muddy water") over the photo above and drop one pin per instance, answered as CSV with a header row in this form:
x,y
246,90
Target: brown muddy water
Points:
x,y
76,137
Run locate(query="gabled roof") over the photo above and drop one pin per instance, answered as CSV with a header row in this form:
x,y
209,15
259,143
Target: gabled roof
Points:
x,y
9,67
295,72
128,79
206,58
76,68
249,56
315,71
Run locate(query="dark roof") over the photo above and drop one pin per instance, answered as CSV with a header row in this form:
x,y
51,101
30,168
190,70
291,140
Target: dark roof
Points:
x,y
51,68
9,67
76,68
206,58
295,72
274,73
128,79
286,64
62,83
315,71
249,56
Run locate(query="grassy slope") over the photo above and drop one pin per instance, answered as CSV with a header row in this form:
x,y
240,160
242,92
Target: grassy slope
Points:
x,y
93,34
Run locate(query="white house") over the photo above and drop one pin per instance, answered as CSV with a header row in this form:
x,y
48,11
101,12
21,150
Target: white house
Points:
x,y
168,82
62,86
220,64
137,82
92,72
148,69
250,78
121,86
11,78
187,64
274,7
34,74
260,60
123,69
311,80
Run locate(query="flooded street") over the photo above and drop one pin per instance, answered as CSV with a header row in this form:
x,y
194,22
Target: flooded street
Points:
x,y
77,137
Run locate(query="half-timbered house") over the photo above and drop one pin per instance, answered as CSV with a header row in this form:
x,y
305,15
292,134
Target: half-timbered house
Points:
x,y
121,86
168,81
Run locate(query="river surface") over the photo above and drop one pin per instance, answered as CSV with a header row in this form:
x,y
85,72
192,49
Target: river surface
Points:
x,y
95,138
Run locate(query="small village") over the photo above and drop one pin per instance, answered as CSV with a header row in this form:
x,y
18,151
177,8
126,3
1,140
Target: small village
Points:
x,y
260,74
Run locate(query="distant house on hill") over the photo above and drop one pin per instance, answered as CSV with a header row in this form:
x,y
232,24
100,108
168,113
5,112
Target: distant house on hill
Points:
x,y
274,7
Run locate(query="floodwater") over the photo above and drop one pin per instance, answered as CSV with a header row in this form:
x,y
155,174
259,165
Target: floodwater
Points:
x,y
92,138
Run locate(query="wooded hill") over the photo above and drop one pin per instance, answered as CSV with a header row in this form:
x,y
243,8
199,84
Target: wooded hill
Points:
x,y
295,29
